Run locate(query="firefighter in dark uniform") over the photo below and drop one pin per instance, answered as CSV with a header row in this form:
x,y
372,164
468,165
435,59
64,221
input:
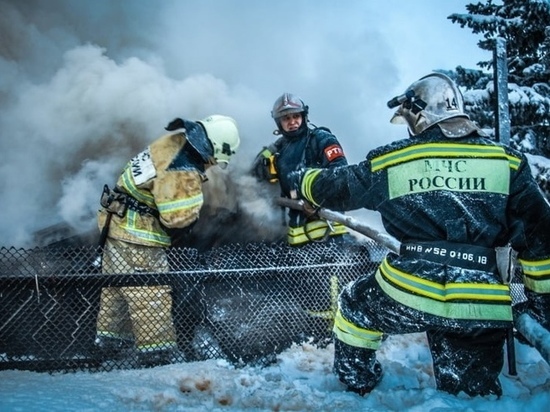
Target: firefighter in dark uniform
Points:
x,y
299,146
451,196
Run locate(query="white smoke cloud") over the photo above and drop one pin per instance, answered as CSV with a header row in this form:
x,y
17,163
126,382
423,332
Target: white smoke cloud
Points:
x,y
86,85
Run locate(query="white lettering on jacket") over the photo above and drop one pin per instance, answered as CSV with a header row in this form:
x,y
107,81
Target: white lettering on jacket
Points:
x,y
142,167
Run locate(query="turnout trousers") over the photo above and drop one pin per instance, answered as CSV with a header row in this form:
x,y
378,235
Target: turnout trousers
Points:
x,y
140,312
467,356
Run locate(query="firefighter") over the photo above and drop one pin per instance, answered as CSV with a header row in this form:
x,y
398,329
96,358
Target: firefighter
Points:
x,y
451,195
299,146
156,198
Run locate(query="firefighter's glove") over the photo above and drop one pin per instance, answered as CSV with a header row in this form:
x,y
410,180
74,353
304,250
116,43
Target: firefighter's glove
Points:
x,y
310,211
294,181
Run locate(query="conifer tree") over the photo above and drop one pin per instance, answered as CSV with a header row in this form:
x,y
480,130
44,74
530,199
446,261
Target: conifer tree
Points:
x,y
525,25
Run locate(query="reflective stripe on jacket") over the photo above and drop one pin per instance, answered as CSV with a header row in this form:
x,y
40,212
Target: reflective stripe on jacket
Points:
x,y
430,188
166,177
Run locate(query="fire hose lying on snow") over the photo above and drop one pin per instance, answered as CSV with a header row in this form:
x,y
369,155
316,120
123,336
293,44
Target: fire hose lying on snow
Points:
x,y
535,334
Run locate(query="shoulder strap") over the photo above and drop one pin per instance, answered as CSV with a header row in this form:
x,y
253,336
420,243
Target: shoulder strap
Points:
x,y
278,143
323,128
313,143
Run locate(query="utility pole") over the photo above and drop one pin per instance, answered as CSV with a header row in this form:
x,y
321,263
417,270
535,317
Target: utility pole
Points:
x,y
500,79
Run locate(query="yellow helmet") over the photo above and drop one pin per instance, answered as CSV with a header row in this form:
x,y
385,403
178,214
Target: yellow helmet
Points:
x,y
223,133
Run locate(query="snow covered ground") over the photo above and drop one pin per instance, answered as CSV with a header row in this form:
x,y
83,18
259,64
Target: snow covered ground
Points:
x,y
301,380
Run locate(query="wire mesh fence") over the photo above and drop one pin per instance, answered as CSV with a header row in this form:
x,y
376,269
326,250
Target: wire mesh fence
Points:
x,y
242,303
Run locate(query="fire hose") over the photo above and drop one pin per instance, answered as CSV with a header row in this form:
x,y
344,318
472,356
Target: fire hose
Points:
x,y
529,328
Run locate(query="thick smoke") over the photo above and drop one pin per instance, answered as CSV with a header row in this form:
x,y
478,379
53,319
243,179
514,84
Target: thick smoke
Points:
x,y
82,127
84,86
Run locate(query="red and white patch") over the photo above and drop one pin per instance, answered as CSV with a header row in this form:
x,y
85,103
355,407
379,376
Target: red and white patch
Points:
x,y
334,152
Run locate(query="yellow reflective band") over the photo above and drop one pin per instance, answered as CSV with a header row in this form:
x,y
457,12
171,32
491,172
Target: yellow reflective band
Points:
x,y
266,153
447,292
315,230
107,334
131,227
536,275
446,150
449,310
157,346
130,186
307,182
331,311
536,268
536,285
180,204
354,335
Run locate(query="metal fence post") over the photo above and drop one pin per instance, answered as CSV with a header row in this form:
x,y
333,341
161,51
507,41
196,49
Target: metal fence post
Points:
x,y
500,79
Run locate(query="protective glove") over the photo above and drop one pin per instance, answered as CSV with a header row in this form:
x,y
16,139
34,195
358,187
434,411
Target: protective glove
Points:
x,y
310,211
294,181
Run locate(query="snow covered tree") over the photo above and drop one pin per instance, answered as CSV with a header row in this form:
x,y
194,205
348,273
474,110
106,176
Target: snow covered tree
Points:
x,y
525,25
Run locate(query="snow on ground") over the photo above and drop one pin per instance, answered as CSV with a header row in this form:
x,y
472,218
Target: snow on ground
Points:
x,y
300,380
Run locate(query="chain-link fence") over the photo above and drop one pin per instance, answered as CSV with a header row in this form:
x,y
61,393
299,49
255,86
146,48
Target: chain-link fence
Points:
x,y
243,303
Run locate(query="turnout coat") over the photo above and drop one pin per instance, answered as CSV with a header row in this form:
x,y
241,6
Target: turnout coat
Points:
x,y
459,198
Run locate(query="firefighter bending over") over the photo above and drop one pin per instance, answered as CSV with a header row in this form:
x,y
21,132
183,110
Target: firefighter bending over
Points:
x,y
451,196
158,194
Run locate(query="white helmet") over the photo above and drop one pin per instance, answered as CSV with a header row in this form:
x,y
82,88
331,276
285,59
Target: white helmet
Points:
x,y
222,131
433,99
